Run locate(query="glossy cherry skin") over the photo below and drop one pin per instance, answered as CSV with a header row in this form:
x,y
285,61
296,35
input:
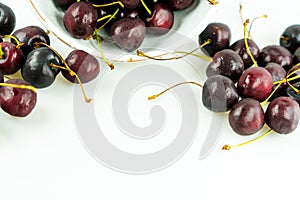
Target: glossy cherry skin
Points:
x,y
219,94
64,4
12,60
246,117
7,20
80,20
290,38
15,101
227,63
128,33
37,70
282,115
83,64
240,48
28,36
219,36
256,83
277,54
161,20
179,4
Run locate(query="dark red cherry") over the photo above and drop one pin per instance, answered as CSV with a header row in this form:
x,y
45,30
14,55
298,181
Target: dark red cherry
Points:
x,y
161,20
179,4
219,94
290,38
37,69
277,54
15,101
219,36
246,117
282,115
130,4
240,47
7,20
28,36
256,83
128,33
227,63
80,19
83,64
64,4
12,59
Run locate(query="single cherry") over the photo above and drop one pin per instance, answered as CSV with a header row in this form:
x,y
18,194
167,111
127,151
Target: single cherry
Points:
x,y
277,54
128,33
17,101
7,20
256,83
80,19
227,63
246,117
218,35
28,36
37,69
290,38
83,64
240,48
161,20
12,58
282,115
219,94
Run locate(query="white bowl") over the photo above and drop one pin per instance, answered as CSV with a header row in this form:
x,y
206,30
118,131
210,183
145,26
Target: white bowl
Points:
x,y
188,23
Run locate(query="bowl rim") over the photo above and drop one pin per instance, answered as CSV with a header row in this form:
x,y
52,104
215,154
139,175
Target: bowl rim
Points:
x,y
66,39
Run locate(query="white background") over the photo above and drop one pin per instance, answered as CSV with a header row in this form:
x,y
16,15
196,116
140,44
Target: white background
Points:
x,y
41,156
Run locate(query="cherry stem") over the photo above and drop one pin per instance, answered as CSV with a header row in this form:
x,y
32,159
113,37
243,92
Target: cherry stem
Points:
x,y
109,4
110,18
256,18
246,43
293,70
241,13
212,2
145,6
286,39
71,72
28,87
102,54
228,147
157,95
19,44
273,92
1,52
142,54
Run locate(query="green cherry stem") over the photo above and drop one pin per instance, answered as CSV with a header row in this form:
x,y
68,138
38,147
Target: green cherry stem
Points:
x,y
246,43
1,52
146,7
183,83
228,147
28,87
109,4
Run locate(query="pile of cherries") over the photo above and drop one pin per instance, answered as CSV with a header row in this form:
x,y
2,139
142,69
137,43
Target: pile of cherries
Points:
x,y
256,86
242,79
125,20
28,50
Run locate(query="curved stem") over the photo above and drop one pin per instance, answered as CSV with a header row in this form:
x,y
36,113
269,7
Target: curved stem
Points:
x,y
19,44
246,43
71,72
157,95
146,7
228,147
28,87
109,4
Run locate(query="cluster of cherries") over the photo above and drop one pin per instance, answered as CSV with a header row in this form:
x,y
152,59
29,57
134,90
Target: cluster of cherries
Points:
x,y
28,50
124,20
256,86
